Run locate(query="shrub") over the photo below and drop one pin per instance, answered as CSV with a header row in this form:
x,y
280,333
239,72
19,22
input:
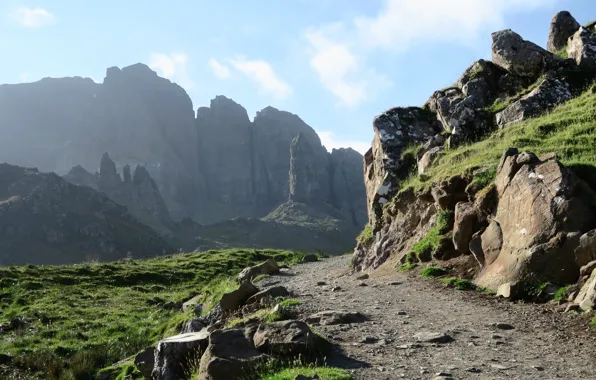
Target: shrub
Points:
x,y
431,272
459,283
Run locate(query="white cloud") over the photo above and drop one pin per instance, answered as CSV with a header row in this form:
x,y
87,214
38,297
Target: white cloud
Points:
x,y
264,76
173,67
32,17
330,141
340,52
221,71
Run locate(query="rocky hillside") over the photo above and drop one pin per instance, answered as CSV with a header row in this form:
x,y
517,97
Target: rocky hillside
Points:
x,y
46,220
212,166
495,175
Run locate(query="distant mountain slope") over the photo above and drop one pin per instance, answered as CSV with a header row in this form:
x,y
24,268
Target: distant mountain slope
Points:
x,y
46,220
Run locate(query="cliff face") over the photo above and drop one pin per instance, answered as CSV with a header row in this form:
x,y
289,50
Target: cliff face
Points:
x,y
211,167
437,191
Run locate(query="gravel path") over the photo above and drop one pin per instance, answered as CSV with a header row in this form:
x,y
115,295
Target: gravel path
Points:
x,y
543,343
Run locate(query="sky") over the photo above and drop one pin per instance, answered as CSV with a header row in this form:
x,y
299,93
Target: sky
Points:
x,y
335,63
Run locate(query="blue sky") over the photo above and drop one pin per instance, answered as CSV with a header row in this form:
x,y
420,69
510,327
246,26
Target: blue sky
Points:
x,y
335,63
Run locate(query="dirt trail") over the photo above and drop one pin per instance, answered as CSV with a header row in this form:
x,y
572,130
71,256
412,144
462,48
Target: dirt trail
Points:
x,y
543,344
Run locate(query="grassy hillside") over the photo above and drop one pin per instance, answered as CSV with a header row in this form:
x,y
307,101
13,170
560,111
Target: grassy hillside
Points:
x,y
569,130
72,320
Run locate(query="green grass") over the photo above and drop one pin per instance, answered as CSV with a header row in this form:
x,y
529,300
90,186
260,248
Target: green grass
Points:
x,y
325,373
459,283
432,239
561,293
562,52
85,317
593,322
431,272
568,130
366,236
407,267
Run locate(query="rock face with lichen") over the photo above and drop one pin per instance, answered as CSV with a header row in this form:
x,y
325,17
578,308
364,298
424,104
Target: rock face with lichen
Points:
x,y
532,220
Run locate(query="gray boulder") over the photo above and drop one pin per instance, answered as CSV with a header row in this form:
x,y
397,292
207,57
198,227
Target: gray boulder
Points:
x,y
429,158
285,338
518,56
466,220
586,251
193,304
175,356
234,300
144,361
562,26
582,48
248,274
268,294
335,317
231,355
548,94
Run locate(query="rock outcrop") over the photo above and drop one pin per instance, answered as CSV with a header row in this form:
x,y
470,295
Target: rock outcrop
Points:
x,y
46,220
528,220
139,192
582,48
562,27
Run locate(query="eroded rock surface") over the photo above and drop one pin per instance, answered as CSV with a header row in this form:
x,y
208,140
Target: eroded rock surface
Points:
x,y
563,26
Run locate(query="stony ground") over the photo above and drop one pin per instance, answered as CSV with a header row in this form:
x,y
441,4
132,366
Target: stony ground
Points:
x,y
543,343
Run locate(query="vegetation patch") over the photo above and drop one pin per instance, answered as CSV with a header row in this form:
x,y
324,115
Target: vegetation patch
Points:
x,y
325,373
423,249
77,319
407,267
571,133
459,283
561,293
431,272
366,236
562,52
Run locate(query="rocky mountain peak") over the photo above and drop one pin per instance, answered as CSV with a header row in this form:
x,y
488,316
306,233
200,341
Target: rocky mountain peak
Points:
x,y
107,170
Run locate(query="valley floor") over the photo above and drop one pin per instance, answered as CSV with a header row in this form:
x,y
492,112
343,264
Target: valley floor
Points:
x,y
543,344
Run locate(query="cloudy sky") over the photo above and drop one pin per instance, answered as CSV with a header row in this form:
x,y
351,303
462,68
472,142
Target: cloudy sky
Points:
x,y
336,63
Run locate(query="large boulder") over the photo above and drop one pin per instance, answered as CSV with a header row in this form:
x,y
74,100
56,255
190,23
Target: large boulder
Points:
x,y
548,94
541,207
285,338
562,26
231,355
395,130
267,267
586,298
520,57
234,300
487,243
428,159
175,356
582,48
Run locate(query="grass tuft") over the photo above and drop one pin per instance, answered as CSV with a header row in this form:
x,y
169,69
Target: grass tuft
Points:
x,y
459,283
366,236
407,267
429,243
431,272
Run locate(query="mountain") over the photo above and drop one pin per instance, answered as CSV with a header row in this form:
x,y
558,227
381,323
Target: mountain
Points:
x,y
46,220
210,166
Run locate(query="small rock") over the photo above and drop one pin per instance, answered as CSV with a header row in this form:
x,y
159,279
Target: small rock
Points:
x,y
368,339
321,283
402,313
362,284
503,326
362,277
394,283
336,289
442,374
310,258
433,337
501,367
473,370
538,368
